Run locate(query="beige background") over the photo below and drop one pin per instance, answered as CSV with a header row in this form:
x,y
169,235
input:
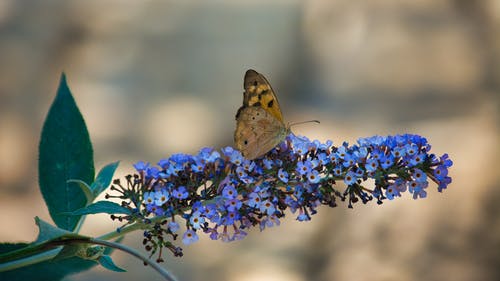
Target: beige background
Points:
x,y
157,77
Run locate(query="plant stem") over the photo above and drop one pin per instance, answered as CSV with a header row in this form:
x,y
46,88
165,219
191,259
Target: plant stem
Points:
x,y
44,256
115,234
133,227
50,254
167,275
95,241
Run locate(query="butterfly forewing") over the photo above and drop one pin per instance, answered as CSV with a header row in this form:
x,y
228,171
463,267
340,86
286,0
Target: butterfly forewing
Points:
x,y
258,92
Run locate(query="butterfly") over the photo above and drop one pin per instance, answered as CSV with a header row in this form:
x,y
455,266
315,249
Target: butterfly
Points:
x,y
259,121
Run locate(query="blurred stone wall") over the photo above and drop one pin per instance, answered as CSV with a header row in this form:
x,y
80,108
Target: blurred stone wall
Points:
x,y
154,78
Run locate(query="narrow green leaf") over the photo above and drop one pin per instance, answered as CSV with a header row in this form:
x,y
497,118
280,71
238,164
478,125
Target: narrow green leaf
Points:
x,y
99,207
65,153
85,188
44,271
49,237
103,179
108,263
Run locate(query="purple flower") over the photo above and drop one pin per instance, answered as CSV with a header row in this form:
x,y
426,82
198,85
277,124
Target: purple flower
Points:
x,y
141,166
189,237
173,226
411,149
269,221
303,216
441,172
236,158
313,176
209,211
180,192
283,176
349,160
208,155
152,172
443,184
398,152
149,198
161,197
341,152
446,160
228,151
387,161
392,191
350,178
419,175
229,192
417,188
180,159
371,165
196,220
254,200
239,235
337,171
248,165
233,205
417,159
230,218
240,171
268,164
323,159
225,196
360,154
198,166
303,167
267,207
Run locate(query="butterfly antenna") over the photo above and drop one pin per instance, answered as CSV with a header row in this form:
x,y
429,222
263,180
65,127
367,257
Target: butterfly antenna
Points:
x,y
303,122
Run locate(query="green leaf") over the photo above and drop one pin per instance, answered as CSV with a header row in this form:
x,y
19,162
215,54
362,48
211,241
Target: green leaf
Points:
x,y
85,188
46,231
103,179
99,207
68,252
65,153
108,263
44,271
46,245
65,263
49,237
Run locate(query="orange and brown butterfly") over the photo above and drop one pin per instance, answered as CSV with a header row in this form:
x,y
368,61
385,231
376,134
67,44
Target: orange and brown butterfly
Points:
x,y
259,122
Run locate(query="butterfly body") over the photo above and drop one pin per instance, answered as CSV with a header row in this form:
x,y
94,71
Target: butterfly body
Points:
x,y
259,122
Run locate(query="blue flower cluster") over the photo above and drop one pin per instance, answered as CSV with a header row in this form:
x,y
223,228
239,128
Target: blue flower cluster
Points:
x,y
223,194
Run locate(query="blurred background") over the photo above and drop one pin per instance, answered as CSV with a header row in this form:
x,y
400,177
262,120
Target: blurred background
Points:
x,y
154,78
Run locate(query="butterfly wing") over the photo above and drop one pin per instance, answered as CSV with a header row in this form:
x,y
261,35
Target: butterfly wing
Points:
x,y
257,131
258,92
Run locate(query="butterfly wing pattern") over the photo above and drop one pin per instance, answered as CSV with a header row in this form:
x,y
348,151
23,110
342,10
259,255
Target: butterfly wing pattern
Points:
x,y
258,132
259,122
258,92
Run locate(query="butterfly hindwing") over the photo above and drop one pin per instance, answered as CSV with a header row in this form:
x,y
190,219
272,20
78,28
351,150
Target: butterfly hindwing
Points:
x,y
257,131
258,92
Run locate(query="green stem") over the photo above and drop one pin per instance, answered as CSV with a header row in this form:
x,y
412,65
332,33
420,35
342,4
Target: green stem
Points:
x,y
44,256
167,275
116,234
133,227
50,254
